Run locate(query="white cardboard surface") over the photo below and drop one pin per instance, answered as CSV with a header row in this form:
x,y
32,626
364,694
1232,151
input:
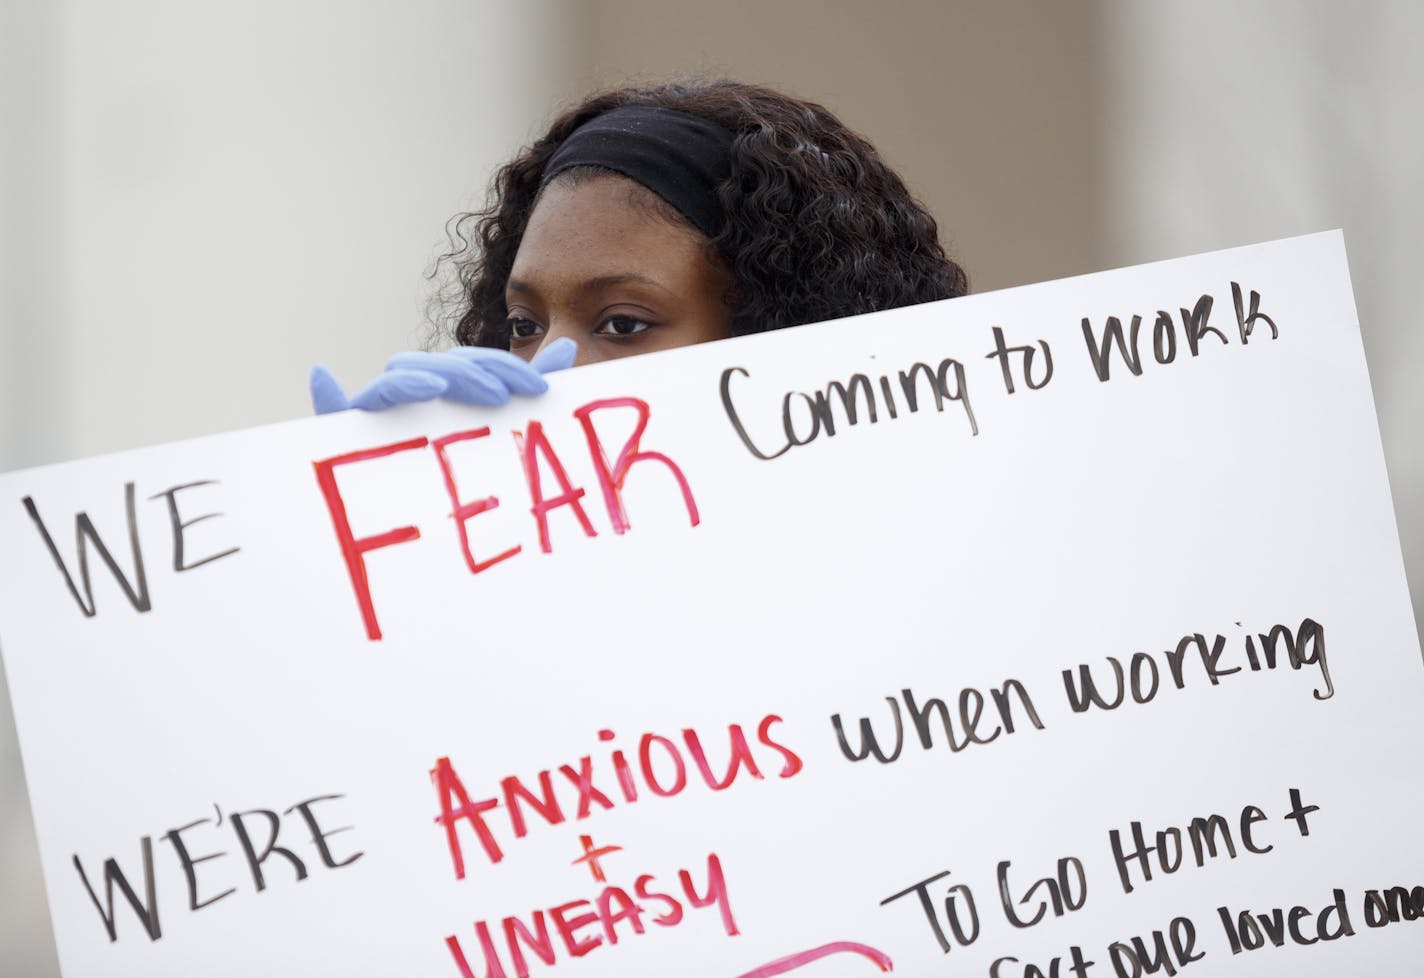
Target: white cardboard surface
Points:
x,y
1221,494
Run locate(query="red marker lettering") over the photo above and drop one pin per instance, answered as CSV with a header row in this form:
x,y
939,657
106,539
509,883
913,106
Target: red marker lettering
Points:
x,y
352,548
741,754
493,969
793,762
537,442
716,893
568,929
516,934
628,910
793,962
610,478
672,916
448,784
462,512
584,925
516,796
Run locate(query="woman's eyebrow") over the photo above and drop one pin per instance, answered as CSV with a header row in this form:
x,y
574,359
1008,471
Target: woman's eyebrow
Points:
x,y
600,282
626,278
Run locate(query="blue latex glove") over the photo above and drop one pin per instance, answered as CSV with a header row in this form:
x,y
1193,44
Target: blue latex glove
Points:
x,y
467,374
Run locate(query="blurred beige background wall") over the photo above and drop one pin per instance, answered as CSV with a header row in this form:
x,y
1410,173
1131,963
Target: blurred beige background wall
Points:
x,y
989,109
201,200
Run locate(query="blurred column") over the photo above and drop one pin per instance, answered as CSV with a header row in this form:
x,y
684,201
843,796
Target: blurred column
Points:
x,y
34,404
1230,123
34,407
201,200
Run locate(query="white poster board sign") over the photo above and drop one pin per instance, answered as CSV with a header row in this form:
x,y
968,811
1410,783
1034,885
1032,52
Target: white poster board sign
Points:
x,y
1058,631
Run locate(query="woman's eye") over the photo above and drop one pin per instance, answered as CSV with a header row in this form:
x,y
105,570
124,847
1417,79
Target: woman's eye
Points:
x,y
621,326
523,329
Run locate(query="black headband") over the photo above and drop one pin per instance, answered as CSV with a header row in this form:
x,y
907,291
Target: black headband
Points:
x,y
679,157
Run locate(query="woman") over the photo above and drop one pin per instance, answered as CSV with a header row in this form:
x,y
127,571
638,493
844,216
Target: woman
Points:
x,y
652,218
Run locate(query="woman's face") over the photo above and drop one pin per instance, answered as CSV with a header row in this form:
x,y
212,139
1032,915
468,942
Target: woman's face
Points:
x,y
601,263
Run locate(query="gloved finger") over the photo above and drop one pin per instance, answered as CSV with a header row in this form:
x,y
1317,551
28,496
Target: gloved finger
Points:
x,y
558,355
326,394
466,382
517,376
399,387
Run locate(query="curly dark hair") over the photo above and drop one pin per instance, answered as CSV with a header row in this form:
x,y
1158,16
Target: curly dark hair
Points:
x,y
817,226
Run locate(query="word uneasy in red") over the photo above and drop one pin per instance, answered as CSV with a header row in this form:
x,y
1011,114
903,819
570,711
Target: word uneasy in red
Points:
x,y
659,769
533,447
581,926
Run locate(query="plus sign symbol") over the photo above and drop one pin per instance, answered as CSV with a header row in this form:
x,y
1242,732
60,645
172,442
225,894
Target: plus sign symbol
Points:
x,y
592,854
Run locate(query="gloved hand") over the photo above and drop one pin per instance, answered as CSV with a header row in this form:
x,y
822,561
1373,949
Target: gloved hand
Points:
x,y
467,374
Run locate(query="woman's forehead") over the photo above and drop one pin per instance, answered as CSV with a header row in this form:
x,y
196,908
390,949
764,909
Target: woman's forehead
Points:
x,y
605,225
